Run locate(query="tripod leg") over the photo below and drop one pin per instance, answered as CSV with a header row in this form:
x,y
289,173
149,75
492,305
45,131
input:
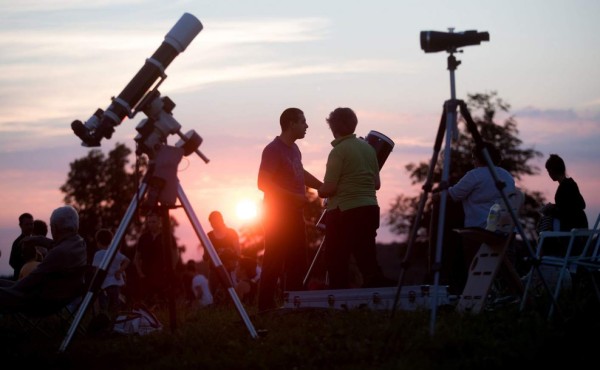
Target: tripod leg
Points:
x,y
214,257
450,108
314,261
100,274
316,254
472,127
167,242
417,221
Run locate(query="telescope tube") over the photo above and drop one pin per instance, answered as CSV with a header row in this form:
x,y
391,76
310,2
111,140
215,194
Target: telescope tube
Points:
x,y
176,41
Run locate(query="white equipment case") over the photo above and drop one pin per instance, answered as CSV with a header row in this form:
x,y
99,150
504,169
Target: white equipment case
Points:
x,y
412,297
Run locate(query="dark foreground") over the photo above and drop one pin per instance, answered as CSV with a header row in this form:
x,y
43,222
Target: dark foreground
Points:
x,y
217,338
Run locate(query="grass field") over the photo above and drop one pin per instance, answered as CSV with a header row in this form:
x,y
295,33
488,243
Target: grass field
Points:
x,y
217,338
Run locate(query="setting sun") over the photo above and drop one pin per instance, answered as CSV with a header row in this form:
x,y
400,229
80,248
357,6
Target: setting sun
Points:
x,y
246,210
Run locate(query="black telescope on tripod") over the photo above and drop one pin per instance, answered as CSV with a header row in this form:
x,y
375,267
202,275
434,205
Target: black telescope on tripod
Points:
x,y
101,124
434,41
485,265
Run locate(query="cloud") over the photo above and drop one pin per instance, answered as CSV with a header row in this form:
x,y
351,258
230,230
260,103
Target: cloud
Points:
x,y
552,126
268,30
547,114
29,6
59,72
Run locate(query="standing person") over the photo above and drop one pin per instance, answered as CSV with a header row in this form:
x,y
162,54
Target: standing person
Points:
x,y
110,291
569,205
16,260
350,184
477,192
222,236
282,178
152,260
226,242
59,277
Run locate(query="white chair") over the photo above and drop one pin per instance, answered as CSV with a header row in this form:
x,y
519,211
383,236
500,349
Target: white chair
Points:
x,y
589,260
587,240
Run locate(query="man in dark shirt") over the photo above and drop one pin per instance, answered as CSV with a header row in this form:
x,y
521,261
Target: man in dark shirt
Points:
x,y
569,205
282,179
152,261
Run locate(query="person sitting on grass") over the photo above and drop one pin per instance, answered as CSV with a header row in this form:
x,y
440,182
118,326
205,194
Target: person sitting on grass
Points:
x,y
32,258
59,277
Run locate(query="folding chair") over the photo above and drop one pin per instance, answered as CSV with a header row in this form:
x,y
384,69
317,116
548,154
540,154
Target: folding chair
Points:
x,y
590,261
490,258
587,240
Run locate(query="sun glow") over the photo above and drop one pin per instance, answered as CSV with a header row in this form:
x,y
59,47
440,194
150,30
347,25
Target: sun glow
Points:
x,y
246,210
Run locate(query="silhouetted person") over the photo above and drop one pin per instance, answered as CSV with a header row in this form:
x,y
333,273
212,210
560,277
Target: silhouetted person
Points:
x,y
152,259
350,185
199,285
32,259
226,242
247,276
477,192
282,178
16,254
59,277
108,296
568,207
39,238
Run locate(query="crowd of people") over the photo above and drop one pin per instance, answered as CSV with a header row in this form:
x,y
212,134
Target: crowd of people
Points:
x,y
151,272
148,273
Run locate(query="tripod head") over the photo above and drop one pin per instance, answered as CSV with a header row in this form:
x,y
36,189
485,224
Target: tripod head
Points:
x,y
154,130
151,140
141,95
434,41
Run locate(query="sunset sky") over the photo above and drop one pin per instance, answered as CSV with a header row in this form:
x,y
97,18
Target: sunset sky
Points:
x,y
61,60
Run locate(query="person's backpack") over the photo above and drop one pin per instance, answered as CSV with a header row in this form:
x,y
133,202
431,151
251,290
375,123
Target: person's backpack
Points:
x,y
137,321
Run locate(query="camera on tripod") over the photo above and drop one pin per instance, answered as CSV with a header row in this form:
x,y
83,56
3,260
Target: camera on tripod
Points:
x,y
434,41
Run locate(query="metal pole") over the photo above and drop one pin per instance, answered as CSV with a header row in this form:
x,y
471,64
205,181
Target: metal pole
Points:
x,y
208,247
100,274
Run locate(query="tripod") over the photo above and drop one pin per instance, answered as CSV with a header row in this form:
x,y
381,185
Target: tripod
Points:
x,y
160,184
448,129
316,257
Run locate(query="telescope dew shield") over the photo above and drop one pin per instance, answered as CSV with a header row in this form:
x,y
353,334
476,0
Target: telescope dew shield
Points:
x,y
383,146
176,41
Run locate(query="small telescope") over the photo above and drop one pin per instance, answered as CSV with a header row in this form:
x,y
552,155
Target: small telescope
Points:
x,y
101,124
434,41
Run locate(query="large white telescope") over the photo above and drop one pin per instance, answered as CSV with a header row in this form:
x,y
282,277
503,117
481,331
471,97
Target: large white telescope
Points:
x,y
102,123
